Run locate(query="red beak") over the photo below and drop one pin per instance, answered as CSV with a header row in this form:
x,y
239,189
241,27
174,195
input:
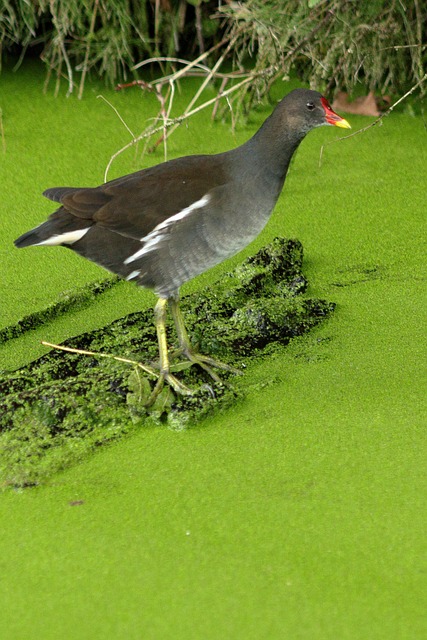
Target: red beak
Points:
x,y
333,118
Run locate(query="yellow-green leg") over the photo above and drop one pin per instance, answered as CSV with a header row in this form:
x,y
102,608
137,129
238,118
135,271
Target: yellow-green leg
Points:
x,y
160,311
206,362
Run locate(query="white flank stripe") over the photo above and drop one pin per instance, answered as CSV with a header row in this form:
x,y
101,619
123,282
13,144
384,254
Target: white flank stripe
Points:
x,y
152,240
65,238
132,275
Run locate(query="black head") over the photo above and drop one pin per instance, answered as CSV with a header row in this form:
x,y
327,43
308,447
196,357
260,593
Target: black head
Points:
x,y
304,110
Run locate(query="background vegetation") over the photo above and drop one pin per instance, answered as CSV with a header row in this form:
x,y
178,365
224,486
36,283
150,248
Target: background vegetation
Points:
x,y
330,43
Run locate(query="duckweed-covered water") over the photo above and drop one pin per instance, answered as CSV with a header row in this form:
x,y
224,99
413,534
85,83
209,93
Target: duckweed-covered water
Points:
x,y
296,511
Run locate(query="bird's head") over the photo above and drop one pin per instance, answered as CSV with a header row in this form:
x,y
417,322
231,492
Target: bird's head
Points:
x,y
305,109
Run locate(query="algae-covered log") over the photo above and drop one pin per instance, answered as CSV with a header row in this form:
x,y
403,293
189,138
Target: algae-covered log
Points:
x,y
57,408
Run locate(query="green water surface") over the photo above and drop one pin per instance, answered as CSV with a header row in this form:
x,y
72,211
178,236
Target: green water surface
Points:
x,y
296,514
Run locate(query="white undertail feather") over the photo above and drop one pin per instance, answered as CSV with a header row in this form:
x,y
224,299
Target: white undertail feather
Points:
x,y
152,240
70,237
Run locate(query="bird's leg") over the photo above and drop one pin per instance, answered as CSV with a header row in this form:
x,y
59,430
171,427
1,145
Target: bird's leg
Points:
x,y
205,362
165,375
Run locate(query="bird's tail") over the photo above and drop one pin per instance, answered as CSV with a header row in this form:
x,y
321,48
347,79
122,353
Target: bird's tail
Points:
x,y
59,228
35,236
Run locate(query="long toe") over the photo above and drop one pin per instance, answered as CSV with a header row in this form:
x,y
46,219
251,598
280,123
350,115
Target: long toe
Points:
x,y
179,387
211,362
206,363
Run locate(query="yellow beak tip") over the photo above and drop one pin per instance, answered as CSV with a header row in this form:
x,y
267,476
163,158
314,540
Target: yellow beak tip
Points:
x,y
343,124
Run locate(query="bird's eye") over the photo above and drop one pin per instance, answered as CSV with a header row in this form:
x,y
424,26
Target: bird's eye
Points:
x,y
310,106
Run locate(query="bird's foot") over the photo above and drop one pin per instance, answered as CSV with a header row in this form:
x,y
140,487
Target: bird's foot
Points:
x,y
165,376
206,362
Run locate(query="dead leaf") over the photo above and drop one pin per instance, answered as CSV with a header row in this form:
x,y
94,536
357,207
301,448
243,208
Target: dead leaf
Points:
x,y
369,105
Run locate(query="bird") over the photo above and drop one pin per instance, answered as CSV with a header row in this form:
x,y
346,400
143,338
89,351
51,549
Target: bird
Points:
x,y
164,225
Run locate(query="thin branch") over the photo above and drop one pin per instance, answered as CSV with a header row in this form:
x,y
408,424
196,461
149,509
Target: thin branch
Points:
x,y
200,90
117,114
94,354
187,65
60,74
199,28
178,120
377,121
192,63
57,24
165,113
219,94
395,47
89,38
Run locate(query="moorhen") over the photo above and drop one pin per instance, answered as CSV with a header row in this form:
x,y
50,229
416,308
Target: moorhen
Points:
x,y
164,225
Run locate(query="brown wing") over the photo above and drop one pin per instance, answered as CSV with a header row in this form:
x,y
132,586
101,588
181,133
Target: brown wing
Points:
x,y
135,204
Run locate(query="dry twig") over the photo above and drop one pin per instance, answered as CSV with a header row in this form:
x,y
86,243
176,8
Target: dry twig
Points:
x,y
378,120
168,124
95,354
86,58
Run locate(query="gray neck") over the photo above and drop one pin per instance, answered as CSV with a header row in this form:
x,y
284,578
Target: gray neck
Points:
x,y
271,149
